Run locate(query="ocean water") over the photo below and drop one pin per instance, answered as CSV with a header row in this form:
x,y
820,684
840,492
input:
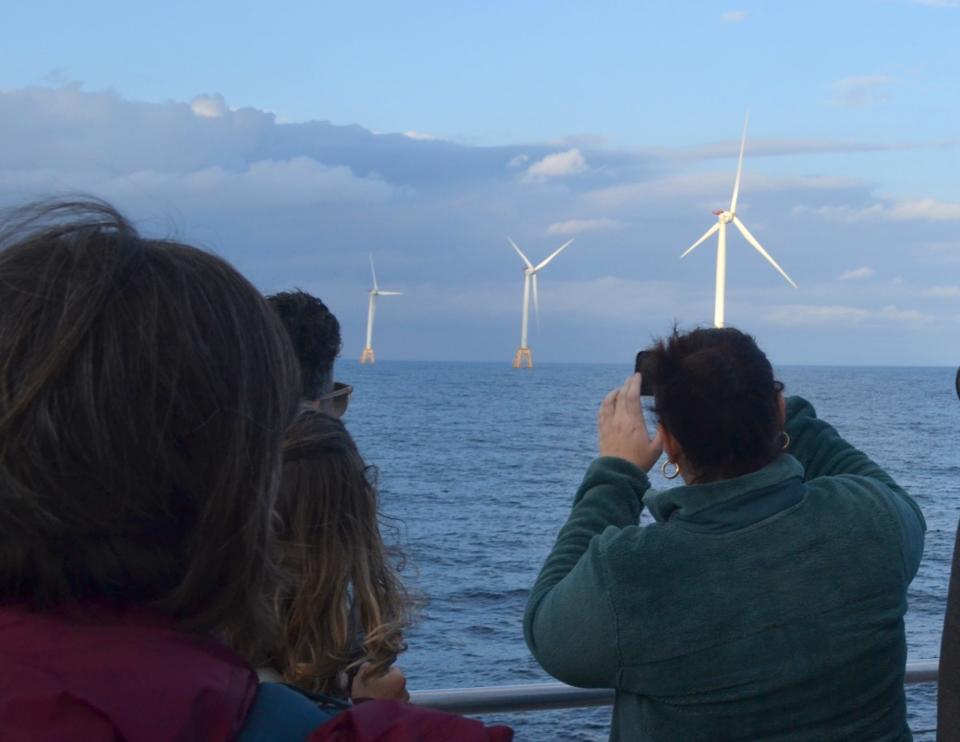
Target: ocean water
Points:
x,y
479,463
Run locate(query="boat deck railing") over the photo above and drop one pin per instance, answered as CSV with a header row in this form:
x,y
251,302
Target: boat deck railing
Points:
x,y
544,696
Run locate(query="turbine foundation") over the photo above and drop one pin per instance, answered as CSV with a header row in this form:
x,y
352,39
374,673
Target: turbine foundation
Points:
x,y
523,358
367,356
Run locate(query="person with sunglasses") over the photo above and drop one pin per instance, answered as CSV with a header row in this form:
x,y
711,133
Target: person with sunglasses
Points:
x,y
329,543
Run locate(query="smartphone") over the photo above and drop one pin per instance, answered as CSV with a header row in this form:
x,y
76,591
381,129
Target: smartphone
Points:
x,y
642,365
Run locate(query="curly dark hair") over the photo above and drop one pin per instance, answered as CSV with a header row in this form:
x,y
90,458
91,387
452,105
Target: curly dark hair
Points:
x,y
714,391
315,333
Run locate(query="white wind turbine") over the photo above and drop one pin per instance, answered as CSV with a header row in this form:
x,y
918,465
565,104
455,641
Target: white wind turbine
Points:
x,y
367,355
523,356
724,217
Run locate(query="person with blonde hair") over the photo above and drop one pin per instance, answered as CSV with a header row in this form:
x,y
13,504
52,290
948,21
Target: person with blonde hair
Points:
x,y
341,607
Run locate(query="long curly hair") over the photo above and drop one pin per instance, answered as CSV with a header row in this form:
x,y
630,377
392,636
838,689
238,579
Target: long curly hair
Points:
x,y
341,602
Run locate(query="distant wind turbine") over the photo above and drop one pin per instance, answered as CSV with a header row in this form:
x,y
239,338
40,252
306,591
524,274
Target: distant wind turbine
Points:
x,y
523,356
724,217
367,356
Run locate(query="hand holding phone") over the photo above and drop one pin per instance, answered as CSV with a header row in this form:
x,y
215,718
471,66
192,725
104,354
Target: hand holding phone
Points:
x,y
622,428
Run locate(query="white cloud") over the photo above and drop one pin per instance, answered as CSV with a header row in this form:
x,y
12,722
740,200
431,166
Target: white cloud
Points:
x,y
857,273
710,185
587,141
557,165
209,106
298,181
778,147
419,135
518,161
943,292
841,213
575,226
860,90
895,314
608,298
799,315
795,315
926,209
733,16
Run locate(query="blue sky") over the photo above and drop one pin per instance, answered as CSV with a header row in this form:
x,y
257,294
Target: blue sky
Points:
x,y
295,138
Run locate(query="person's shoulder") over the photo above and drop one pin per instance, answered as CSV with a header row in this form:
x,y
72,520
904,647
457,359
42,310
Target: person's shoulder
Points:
x,y
621,546
280,712
861,490
861,500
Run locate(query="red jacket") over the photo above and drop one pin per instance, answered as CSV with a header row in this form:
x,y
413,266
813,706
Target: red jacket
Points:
x,y
393,721
97,675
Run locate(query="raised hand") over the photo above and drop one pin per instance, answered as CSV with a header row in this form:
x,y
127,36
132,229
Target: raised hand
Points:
x,y
623,430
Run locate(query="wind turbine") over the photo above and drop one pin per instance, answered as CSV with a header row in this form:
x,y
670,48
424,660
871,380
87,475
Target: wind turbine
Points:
x,y
523,356
725,217
367,355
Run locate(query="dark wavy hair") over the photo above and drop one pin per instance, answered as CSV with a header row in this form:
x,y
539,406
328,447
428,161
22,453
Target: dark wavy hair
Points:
x,y
315,334
145,387
714,391
341,603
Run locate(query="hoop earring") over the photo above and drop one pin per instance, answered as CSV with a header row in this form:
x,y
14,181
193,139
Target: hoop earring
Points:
x,y
785,440
663,469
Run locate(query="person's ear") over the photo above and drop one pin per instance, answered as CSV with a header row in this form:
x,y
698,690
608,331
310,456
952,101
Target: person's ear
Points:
x,y
670,445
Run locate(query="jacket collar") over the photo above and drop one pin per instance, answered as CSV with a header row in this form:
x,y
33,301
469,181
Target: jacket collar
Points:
x,y
686,501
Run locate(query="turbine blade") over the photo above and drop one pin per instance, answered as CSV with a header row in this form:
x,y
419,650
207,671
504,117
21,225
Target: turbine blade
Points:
x,y
736,183
554,254
536,301
699,242
389,293
520,253
753,241
374,272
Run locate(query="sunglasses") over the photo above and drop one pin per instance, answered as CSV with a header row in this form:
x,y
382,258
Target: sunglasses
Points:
x,y
338,399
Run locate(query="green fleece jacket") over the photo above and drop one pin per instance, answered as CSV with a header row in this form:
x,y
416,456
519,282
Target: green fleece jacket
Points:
x,y
769,606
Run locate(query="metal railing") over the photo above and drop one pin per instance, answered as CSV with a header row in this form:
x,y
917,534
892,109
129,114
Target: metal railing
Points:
x,y
543,696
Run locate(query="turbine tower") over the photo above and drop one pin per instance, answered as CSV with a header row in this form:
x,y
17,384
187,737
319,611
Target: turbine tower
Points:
x,y
725,217
367,356
523,357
